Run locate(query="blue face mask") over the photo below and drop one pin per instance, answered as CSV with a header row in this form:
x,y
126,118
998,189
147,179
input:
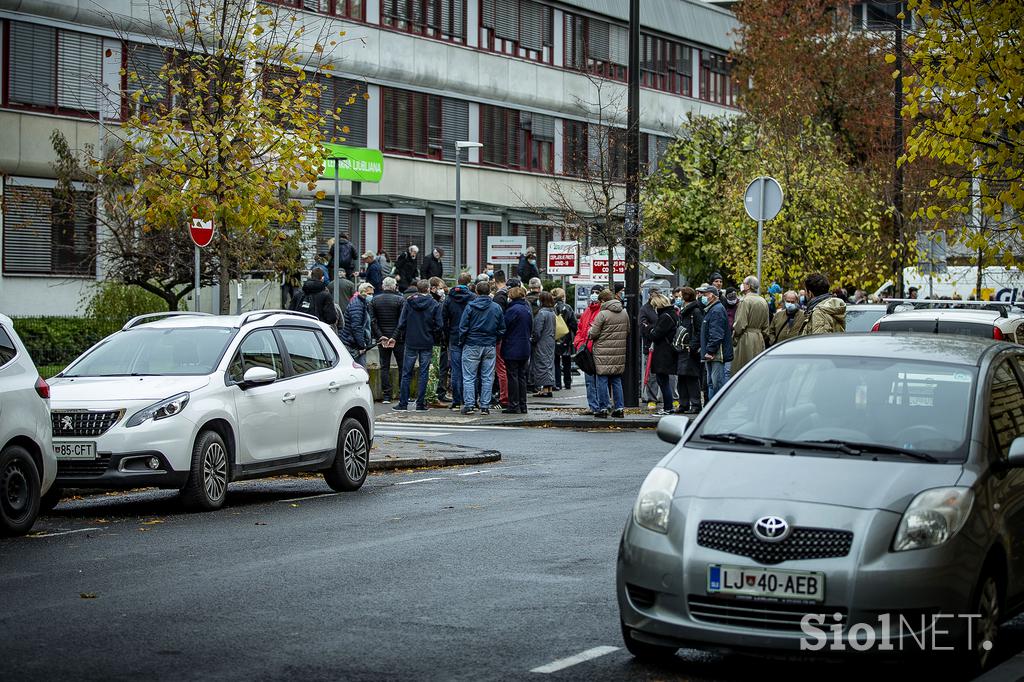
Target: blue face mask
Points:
x,y
369,297
678,303
704,300
803,299
791,307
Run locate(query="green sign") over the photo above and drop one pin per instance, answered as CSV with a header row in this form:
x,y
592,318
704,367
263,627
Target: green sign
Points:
x,y
354,163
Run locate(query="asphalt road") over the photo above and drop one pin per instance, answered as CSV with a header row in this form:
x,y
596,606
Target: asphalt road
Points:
x,y
474,573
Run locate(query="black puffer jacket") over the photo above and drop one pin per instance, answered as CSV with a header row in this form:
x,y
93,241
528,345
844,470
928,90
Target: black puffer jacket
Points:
x,y
315,299
385,309
407,269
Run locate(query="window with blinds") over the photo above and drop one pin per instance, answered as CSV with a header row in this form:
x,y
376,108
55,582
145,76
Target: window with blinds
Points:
x,y
521,28
575,148
487,229
666,65
144,67
596,46
514,139
441,19
716,84
398,233
343,105
444,239
44,237
607,152
652,149
423,125
54,70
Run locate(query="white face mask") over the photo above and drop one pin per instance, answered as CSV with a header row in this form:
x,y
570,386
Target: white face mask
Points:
x,y
593,298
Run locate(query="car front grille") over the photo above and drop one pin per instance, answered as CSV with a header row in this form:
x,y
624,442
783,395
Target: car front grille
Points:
x,y
80,467
83,424
760,615
802,543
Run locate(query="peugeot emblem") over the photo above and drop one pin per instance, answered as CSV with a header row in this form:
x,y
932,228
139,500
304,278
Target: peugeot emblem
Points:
x,y
67,423
771,529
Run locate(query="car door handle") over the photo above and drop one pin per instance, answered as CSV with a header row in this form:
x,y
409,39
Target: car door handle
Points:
x,y
333,386
288,397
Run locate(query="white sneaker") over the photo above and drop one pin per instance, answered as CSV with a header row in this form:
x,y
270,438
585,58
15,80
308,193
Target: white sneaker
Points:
x,y
385,402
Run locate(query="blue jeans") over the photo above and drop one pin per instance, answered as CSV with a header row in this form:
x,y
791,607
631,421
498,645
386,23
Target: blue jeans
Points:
x,y
478,360
603,381
411,356
591,382
716,378
455,364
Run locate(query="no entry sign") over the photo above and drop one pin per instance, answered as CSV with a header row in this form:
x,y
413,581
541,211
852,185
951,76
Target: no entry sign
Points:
x,y
201,232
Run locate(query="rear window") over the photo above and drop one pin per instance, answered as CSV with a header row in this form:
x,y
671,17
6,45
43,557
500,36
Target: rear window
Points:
x,y
861,320
960,327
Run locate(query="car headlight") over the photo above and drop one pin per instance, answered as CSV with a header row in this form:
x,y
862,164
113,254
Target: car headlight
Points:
x,y
933,518
160,410
654,503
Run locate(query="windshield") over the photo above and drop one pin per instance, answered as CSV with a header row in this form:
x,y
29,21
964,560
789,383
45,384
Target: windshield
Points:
x,y
859,320
938,326
916,407
142,351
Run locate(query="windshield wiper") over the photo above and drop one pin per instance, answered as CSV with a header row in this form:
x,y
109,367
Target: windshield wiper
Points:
x,y
739,438
857,448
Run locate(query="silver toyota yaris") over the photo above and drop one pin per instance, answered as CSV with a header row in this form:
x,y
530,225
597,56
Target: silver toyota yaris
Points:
x,y
855,493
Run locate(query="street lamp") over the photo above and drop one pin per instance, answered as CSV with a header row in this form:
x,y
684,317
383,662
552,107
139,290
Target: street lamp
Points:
x,y
459,146
337,217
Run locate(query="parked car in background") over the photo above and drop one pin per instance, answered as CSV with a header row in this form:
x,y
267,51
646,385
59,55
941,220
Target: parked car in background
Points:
x,y
999,323
843,482
860,318
27,463
193,402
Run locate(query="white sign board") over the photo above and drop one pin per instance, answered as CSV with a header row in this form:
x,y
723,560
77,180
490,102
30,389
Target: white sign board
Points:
x,y
563,258
505,250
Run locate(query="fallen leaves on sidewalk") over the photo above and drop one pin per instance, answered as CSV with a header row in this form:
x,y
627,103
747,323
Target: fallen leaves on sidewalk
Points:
x,y
87,595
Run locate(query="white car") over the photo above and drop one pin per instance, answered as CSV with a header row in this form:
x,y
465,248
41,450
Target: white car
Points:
x,y
27,465
1000,324
193,402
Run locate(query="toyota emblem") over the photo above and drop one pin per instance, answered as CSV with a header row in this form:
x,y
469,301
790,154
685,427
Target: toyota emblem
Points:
x,y
67,423
771,528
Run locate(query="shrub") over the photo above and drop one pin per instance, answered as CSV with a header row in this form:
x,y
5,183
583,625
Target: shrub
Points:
x,y
53,342
115,301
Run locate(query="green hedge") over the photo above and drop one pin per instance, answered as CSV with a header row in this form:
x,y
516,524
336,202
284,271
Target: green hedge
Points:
x,y
53,342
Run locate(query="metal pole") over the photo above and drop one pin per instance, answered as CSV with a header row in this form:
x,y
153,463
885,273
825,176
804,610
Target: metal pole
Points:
x,y
458,213
633,374
760,230
897,194
337,218
195,284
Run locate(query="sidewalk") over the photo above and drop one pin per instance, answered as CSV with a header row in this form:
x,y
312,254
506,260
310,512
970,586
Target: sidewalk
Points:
x,y
392,452
565,409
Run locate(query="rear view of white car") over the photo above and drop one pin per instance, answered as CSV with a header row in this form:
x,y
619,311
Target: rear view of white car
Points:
x,y
27,464
194,402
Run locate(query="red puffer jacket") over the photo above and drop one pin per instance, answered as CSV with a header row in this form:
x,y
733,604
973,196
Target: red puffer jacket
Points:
x,y
586,319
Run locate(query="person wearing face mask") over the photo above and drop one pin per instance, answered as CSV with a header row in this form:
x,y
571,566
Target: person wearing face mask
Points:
x,y
750,328
648,318
788,322
528,265
688,365
357,332
433,266
582,339
715,338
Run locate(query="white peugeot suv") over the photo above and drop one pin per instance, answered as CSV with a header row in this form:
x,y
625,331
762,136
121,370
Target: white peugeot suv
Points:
x,y
193,402
27,466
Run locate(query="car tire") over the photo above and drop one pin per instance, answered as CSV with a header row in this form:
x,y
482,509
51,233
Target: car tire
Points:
x,y
646,652
351,458
988,605
207,484
51,499
19,491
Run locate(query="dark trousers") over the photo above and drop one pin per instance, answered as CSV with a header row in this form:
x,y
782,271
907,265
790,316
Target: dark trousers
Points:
x,y
517,389
563,371
442,375
689,392
666,390
398,352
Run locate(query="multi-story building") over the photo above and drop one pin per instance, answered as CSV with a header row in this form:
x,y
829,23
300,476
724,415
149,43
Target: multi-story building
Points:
x,y
514,75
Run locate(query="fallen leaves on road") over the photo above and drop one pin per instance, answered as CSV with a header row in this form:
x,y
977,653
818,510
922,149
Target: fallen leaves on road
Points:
x,y
87,595
293,505
260,523
152,522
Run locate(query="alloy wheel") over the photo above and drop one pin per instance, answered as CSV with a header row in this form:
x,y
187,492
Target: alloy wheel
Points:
x,y
355,454
215,471
988,620
15,489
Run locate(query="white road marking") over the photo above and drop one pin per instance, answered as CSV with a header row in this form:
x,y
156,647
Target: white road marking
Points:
x,y
418,426
474,473
62,532
418,432
310,497
418,480
582,657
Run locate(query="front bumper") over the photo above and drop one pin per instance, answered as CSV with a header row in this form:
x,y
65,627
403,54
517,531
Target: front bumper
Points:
x,y
663,597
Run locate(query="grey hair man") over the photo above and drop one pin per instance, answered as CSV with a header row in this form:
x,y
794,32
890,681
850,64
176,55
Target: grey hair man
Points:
x,y
750,283
750,328
385,311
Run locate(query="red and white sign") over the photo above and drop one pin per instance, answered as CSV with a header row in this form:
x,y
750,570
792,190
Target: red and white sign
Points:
x,y
505,250
599,269
201,232
563,258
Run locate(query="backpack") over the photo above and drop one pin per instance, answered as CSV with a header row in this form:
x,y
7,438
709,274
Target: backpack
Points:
x,y
681,341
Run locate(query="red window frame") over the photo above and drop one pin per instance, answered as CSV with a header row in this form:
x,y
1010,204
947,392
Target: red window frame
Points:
x,y
491,43
574,161
716,86
424,30
598,67
337,8
422,143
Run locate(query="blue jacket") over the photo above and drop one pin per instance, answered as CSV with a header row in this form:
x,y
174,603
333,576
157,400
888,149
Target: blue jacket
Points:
x,y
375,276
356,334
715,333
518,329
451,313
420,322
482,323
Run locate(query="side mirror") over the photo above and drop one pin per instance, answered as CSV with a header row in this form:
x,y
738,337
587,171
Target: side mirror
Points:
x,y
258,376
1015,460
671,429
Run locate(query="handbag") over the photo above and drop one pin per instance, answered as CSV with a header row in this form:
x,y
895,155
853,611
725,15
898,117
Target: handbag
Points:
x,y
584,359
561,328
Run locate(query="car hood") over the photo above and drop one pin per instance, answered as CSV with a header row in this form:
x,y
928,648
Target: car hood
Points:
x,y
121,389
841,481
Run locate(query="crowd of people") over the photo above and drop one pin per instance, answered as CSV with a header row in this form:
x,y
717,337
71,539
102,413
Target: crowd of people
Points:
x,y
501,340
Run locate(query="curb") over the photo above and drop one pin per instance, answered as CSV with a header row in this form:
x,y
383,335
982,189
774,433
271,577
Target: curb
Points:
x,y
1010,670
584,423
392,463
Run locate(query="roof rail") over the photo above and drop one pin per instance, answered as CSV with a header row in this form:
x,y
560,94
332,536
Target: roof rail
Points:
x,y
1002,307
139,319
257,315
